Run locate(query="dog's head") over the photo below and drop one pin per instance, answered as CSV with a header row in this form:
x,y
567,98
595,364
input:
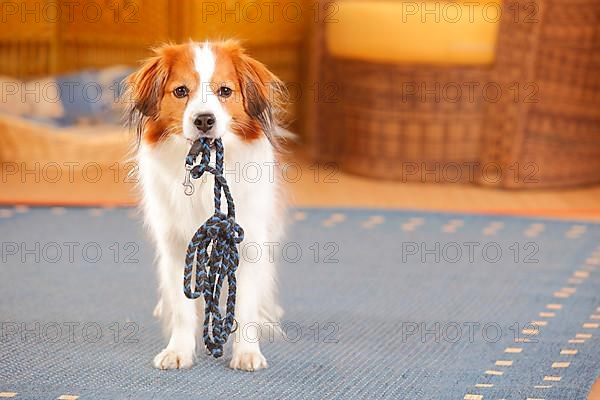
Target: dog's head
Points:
x,y
203,90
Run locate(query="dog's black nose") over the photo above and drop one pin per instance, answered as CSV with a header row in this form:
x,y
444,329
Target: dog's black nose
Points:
x,y
205,122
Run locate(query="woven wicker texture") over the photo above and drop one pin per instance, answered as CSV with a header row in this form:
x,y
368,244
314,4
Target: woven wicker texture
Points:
x,y
392,121
388,125
543,129
40,146
550,133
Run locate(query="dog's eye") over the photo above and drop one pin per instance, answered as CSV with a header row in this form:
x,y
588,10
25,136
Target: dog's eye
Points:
x,y
180,92
224,91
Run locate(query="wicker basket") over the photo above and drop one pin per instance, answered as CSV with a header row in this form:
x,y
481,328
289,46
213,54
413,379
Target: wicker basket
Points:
x,y
121,33
32,143
371,118
549,136
376,127
366,126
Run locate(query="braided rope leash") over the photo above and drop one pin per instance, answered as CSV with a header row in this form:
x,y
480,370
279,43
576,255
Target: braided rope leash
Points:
x,y
221,234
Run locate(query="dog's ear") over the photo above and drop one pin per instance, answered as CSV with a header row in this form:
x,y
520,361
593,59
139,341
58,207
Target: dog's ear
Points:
x,y
264,94
145,87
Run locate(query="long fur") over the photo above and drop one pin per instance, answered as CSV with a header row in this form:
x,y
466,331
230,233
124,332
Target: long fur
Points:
x,y
172,217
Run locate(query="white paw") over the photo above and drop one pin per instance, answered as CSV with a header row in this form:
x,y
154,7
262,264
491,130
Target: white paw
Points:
x,y
248,361
171,359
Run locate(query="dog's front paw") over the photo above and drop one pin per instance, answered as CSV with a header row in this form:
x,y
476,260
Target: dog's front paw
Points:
x,y
248,361
172,359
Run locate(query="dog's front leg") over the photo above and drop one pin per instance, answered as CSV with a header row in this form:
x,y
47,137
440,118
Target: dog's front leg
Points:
x,y
246,348
181,316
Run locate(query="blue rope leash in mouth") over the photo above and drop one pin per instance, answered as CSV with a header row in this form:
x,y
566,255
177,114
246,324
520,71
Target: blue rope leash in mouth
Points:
x,y
219,235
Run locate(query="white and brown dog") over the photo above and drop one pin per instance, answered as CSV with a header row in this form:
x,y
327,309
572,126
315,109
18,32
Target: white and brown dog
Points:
x,y
211,90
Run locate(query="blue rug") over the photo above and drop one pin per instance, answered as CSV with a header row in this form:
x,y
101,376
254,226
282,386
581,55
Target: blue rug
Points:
x,y
379,304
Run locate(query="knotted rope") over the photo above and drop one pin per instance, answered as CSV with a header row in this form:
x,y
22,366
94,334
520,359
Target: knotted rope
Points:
x,y
222,234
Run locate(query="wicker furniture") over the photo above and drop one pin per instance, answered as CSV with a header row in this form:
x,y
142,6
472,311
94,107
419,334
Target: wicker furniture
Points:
x,y
47,38
35,42
374,128
549,135
364,121
39,146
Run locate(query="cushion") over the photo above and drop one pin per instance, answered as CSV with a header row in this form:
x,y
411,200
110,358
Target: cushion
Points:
x,y
44,95
82,97
428,32
91,95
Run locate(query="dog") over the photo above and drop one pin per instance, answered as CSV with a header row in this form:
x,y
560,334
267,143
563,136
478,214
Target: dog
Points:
x,y
213,90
